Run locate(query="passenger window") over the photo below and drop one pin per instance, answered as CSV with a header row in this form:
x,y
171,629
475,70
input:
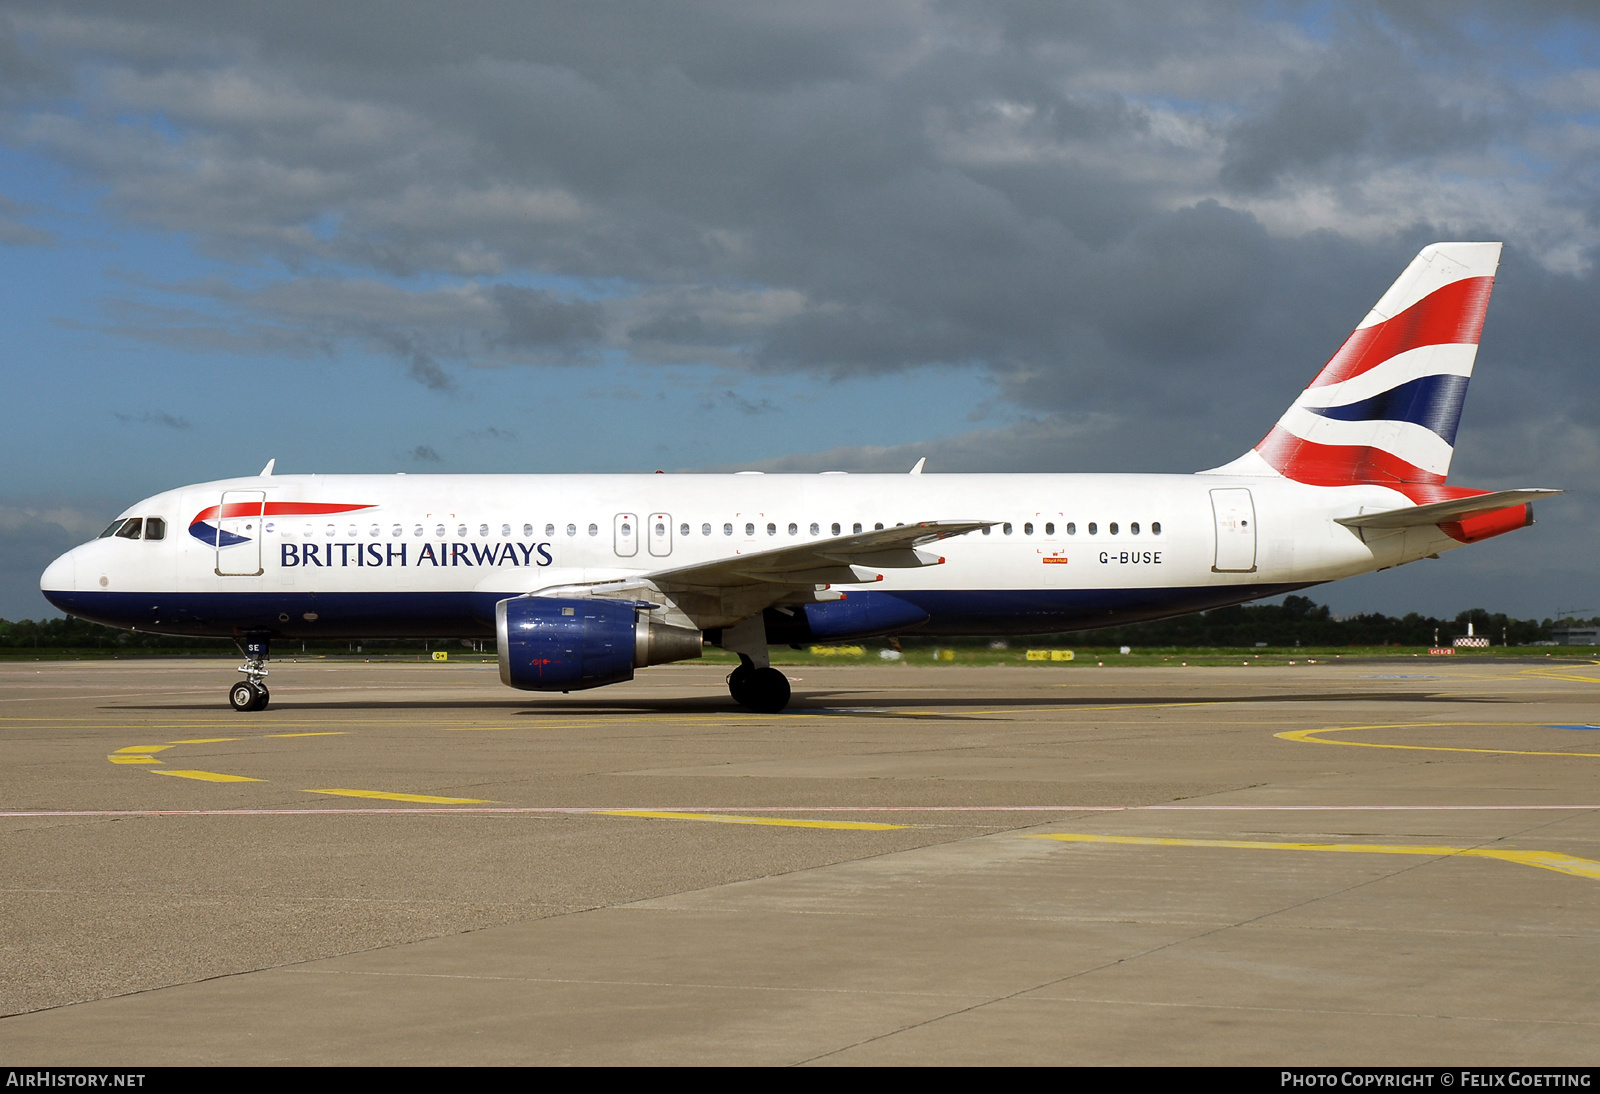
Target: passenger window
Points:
x,y
816,528
727,529
505,529
130,530
373,531
111,529
572,529
1093,528
794,528
986,531
397,531
550,531
333,531
661,528
1027,529
438,531
1049,529
772,529
683,529
156,528
417,531
1133,529
461,530
836,528
1155,528
878,527
1072,528
483,529
527,531
594,529
1113,527
749,529
627,529
856,528
705,529
1006,527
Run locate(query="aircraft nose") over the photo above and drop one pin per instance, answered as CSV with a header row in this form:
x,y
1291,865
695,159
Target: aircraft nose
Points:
x,y
61,576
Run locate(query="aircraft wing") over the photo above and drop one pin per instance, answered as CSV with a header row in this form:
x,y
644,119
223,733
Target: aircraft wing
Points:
x,y
841,560
722,592
1417,516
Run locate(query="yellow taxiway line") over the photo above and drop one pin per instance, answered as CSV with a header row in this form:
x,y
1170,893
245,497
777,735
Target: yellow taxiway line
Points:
x,y
207,776
1543,860
426,799
729,818
1309,736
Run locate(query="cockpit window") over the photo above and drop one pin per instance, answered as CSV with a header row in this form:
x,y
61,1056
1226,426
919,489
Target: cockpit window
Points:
x,y
130,528
111,529
155,528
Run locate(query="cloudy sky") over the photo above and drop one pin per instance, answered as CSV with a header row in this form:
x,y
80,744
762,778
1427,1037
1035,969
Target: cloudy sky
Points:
x,y
1034,236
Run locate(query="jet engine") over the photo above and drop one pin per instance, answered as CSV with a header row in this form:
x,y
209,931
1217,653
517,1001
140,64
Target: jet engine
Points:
x,y
549,644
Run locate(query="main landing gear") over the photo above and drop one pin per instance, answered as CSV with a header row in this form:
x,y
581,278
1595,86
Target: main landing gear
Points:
x,y
764,690
251,693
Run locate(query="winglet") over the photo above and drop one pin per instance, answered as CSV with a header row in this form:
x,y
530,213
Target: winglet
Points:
x,y
267,470
917,470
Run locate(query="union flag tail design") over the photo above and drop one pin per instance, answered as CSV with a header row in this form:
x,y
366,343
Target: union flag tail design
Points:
x,y
1385,409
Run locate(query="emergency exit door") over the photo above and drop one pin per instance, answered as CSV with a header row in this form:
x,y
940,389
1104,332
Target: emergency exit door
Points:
x,y
660,532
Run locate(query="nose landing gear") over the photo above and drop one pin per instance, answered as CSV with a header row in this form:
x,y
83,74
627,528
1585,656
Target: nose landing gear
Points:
x,y
251,693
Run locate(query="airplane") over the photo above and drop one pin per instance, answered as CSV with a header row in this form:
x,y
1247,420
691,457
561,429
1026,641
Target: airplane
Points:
x,y
583,579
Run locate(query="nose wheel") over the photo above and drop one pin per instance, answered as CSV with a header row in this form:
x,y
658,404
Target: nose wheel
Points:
x,y
247,695
251,694
763,690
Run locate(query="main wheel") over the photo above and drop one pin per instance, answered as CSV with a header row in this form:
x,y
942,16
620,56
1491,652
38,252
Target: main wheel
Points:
x,y
245,696
739,683
767,691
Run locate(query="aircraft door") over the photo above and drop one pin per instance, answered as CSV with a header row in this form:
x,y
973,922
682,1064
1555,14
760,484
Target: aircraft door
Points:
x,y
239,531
1235,514
625,534
660,534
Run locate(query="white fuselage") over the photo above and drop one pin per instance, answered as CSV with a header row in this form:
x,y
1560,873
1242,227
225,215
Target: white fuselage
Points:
x,y
430,555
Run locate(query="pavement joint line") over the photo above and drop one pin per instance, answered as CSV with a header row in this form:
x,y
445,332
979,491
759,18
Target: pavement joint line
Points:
x,y
18,814
634,983
734,818
1543,860
1309,736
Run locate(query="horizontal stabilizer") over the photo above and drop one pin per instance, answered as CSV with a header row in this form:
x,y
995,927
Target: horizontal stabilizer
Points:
x,y
1439,512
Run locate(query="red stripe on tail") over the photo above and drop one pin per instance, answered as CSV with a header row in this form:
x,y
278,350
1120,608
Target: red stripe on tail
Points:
x,y
1452,314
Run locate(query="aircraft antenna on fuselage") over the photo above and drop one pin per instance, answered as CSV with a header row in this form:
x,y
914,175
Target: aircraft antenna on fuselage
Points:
x,y
917,470
267,470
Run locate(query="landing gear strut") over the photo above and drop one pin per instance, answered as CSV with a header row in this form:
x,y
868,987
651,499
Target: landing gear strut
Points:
x,y
251,693
764,690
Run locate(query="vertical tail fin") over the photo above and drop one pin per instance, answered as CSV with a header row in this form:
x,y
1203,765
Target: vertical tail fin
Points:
x,y
1385,408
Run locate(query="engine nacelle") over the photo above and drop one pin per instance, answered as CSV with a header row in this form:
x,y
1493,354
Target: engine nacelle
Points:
x,y
547,644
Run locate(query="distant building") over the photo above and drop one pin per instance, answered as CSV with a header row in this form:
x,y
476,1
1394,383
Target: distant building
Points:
x,y
1576,636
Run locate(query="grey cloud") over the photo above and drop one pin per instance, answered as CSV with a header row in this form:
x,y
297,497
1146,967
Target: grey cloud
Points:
x,y
1369,104
1172,220
536,319
161,418
425,454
